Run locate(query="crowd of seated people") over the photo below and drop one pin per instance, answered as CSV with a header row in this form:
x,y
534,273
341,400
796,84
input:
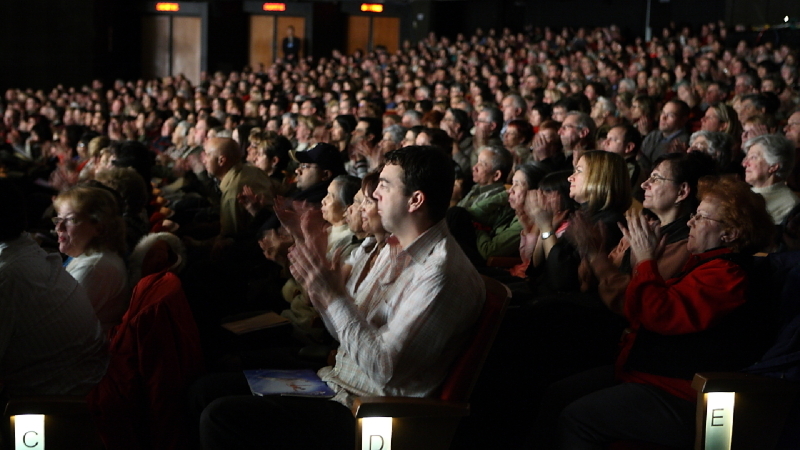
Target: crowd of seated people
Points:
x,y
612,172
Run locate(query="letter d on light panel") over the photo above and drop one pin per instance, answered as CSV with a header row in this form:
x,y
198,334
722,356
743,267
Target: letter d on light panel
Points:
x,y
29,432
376,433
719,420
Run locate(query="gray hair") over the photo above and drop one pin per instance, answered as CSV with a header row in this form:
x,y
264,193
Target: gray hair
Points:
x,y
519,102
585,121
415,115
777,150
347,186
396,132
720,145
607,105
502,159
628,84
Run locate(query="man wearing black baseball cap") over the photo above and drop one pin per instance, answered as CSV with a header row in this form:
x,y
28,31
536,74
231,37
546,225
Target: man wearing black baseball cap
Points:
x,y
318,166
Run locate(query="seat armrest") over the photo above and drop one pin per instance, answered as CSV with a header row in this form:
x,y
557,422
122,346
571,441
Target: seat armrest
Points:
x,y
741,382
407,407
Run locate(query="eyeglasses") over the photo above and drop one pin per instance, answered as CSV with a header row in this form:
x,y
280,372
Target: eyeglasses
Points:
x,y
306,166
699,217
655,178
68,221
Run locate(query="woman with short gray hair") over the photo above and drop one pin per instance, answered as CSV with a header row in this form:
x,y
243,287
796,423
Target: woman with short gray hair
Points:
x,y
769,160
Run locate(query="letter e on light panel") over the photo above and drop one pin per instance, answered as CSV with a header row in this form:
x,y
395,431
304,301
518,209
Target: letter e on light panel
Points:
x,y
28,431
376,433
719,420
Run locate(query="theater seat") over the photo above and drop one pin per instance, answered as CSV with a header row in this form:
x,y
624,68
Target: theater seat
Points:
x,y
430,423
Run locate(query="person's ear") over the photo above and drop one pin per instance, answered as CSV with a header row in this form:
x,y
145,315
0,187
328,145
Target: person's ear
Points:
x,y
774,168
730,235
416,201
497,176
327,175
683,192
629,147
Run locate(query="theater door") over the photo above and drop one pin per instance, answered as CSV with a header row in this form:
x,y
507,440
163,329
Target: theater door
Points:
x,y
173,41
266,37
368,32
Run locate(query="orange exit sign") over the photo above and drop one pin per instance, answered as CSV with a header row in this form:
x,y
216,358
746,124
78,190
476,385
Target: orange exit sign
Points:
x,y
371,7
274,7
168,7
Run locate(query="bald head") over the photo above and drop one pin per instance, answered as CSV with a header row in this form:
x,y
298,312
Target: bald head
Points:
x,y
220,154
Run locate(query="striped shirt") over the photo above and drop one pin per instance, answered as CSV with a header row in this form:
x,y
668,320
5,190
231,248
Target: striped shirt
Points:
x,y
408,322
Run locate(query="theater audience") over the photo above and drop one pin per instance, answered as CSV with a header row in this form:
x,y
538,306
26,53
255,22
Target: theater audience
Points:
x,y
600,185
670,194
700,321
489,80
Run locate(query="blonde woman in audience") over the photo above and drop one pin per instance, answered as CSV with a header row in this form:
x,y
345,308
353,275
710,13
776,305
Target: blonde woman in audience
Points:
x,y
91,232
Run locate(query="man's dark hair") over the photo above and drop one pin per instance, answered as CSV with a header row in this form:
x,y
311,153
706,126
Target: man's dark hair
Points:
x,y
759,101
631,135
683,108
439,139
426,169
278,146
374,127
568,103
13,220
462,118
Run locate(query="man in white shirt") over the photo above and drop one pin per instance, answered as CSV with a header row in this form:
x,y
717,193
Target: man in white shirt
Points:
x,y
415,310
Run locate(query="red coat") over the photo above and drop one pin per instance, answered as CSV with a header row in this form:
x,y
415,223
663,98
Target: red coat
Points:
x,y
155,355
701,299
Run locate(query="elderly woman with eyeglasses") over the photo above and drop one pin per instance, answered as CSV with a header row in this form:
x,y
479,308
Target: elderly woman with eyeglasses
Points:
x,y
701,320
91,232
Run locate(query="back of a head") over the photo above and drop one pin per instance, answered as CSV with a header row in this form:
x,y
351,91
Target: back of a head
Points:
x,y
13,219
129,184
135,154
429,170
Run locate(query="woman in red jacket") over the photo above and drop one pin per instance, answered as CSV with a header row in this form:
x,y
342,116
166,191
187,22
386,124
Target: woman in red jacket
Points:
x,y
700,320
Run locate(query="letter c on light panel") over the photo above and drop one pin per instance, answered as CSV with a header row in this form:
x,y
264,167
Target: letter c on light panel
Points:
x,y
28,432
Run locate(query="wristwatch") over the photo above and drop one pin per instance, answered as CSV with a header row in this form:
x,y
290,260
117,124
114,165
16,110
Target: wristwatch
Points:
x,y
546,234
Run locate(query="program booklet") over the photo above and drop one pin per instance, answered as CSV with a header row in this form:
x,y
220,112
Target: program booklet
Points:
x,y
297,383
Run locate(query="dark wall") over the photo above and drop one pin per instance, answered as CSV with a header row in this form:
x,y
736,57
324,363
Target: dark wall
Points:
x,y
44,42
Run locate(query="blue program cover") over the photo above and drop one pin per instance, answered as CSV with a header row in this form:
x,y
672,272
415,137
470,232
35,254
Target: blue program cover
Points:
x,y
298,383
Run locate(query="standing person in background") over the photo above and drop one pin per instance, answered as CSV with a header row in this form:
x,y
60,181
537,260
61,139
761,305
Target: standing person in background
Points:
x,y
291,46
